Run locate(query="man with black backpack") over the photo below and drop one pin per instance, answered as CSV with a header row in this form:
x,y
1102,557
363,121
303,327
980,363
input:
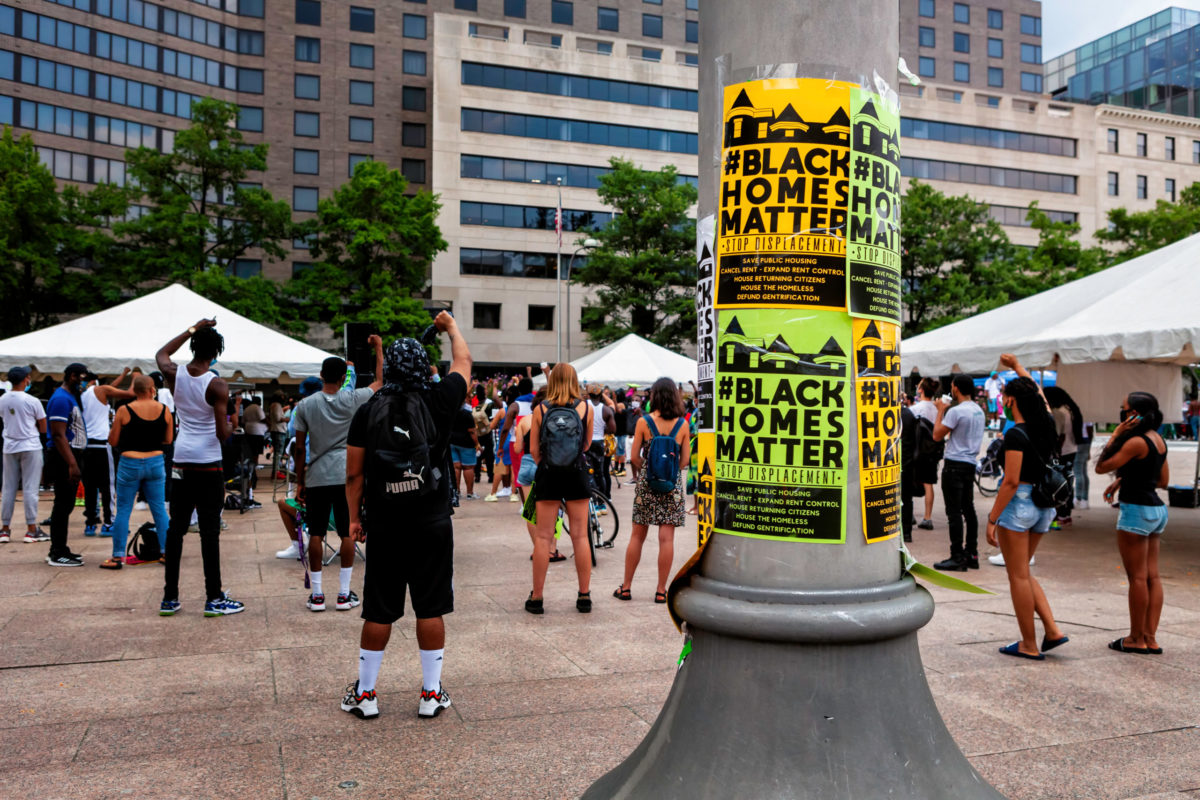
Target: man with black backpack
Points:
x,y
398,483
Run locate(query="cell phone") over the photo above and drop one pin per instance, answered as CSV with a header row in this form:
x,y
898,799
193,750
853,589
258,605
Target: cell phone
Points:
x,y
544,365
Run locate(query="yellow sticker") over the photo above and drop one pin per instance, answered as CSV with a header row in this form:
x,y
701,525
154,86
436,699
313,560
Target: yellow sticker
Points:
x,y
877,392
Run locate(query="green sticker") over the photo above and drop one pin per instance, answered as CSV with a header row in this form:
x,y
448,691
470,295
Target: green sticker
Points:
x,y
873,227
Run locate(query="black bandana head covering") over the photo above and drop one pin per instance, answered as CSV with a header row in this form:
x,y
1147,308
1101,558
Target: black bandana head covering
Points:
x,y
406,367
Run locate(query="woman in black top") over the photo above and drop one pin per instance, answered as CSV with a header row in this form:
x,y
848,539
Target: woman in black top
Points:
x,y
1139,457
1015,523
140,431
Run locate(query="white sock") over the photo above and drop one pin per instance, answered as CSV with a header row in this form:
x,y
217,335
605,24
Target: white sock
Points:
x,y
344,579
431,669
369,662
314,578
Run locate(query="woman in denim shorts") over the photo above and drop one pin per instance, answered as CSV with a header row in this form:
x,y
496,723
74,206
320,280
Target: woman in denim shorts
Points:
x,y
1015,523
1139,457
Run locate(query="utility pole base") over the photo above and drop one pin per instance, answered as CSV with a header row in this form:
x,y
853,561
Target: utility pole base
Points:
x,y
755,719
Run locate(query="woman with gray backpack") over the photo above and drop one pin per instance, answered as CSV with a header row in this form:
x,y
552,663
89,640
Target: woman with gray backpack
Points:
x,y
661,448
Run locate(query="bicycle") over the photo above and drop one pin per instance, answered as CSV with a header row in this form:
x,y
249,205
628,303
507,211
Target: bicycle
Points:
x,y
989,472
599,504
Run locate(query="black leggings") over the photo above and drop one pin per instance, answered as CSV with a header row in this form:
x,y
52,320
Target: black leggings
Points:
x,y
199,487
599,463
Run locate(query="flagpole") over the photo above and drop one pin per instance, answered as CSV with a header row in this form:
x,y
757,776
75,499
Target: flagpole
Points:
x,y
558,226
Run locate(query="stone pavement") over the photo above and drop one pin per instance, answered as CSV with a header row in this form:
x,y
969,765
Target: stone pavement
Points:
x,y
100,697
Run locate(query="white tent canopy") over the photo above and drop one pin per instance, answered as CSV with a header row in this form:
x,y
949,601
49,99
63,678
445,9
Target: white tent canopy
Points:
x,y
631,360
1142,311
130,334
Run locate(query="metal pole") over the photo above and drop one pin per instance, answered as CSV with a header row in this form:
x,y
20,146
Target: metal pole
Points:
x,y
558,221
802,676
567,324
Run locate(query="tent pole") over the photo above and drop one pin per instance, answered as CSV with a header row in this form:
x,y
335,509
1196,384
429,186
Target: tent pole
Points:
x,y
1196,477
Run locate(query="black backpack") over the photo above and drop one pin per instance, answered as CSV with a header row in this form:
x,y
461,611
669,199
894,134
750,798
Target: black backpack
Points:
x,y
400,463
143,545
561,437
927,446
1055,486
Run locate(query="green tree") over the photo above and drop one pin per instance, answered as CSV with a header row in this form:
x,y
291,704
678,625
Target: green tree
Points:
x,y
56,255
1135,233
644,271
952,251
372,244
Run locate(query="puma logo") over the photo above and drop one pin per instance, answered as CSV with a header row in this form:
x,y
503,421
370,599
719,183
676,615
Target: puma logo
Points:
x,y
400,430
417,476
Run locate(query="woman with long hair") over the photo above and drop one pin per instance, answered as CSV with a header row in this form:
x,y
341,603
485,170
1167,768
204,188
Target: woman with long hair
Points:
x,y
561,480
1068,425
651,507
1015,523
1139,457
140,431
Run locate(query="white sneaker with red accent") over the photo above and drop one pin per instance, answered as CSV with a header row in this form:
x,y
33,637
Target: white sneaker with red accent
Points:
x,y
432,703
363,705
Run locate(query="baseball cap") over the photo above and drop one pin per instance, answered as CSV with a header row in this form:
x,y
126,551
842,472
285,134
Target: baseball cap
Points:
x,y
18,374
75,369
595,388
311,385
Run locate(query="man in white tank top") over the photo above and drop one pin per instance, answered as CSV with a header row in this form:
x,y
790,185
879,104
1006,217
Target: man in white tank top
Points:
x,y
98,471
201,408
604,421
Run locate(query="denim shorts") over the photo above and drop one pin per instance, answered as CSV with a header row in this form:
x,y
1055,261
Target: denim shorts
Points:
x,y
1142,520
527,471
462,455
620,445
1021,515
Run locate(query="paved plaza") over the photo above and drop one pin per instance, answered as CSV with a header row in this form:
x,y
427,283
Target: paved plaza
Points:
x,y
100,697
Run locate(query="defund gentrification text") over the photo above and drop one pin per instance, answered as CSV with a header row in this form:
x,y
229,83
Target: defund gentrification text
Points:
x,y
783,405
873,232
877,388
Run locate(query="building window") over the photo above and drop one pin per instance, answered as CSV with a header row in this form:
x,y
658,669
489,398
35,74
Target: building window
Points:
x,y
249,81
1031,53
995,19
308,87
1114,140
984,175
926,37
514,8
1114,184
995,77
414,26
466,5
362,93
413,169
557,83
962,43
541,318
306,123
562,12
962,72
487,315
298,267
691,31
962,13
245,268
414,62
1169,148
1031,26
926,67
250,119
250,8
362,19
356,159
308,12
652,26
305,161
304,198
1169,188
651,54
916,128
362,129
579,131
308,49
608,19
362,56
1142,189
1141,145
1031,82
653,2
1195,152
995,48
926,8
413,134
413,98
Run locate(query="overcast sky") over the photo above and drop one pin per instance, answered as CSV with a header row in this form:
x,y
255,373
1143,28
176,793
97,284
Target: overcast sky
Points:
x,y
1066,24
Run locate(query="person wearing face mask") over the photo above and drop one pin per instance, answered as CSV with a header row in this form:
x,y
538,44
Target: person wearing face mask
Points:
x,y
68,439
24,422
99,470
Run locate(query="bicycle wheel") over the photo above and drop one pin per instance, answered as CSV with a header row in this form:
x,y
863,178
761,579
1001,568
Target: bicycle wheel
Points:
x,y
603,526
988,484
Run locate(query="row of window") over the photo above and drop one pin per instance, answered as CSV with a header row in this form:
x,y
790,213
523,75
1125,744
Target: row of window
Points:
x,y
487,315
80,167
308,124
308,87
179,24
308,12
1142,187
245,8
101,86
929,169
62,121
1030,53
569,130
562,12
123,50
518,170
1141,149
540,218
531,80
954,133
1030,25
362,56
1017,217
1030,81
507,263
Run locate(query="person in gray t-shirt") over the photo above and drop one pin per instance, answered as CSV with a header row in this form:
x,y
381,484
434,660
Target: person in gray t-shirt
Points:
x,y
961,427
322,421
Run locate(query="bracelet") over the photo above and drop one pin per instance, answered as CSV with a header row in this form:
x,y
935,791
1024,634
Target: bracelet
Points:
x,y
993,521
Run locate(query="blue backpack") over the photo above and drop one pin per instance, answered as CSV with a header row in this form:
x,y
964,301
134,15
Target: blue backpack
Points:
x,y
662,458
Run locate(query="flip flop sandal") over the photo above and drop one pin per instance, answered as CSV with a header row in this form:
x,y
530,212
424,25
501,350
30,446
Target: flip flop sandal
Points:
x,y
1120,646
1014,650
111,563
1048,644
660,597
1154,651
622,593
557,556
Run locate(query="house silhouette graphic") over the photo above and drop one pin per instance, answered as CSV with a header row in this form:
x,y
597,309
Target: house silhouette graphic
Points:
x,y
745,125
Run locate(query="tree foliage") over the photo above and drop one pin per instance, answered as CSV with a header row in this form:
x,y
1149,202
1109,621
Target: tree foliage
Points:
x,y
1135,233
644,271
372,245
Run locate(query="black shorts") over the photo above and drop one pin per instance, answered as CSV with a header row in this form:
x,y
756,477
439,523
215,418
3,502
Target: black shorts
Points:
x,y
927,470
319,502
417,556
561,484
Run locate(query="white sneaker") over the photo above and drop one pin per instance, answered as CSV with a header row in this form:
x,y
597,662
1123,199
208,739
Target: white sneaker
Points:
x,y
141,505
471,496
504,492
291,552
432,703
514,498
364,706
491,498
1081,504
998,560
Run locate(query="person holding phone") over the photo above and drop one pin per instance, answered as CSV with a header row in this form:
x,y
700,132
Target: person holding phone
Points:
x,y
1139,457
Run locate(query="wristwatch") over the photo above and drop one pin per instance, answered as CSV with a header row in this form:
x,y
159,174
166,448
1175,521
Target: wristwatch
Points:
x,y
192,331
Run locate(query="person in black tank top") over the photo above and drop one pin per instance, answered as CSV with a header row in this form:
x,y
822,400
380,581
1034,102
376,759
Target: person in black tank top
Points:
x,y
1138,455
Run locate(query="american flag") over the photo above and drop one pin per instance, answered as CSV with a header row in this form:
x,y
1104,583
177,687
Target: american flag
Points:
x,y
558,219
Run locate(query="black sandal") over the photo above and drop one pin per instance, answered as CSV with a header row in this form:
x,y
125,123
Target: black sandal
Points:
x,y
660,597
583,603
557,556
621,593
1120,646
534,606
